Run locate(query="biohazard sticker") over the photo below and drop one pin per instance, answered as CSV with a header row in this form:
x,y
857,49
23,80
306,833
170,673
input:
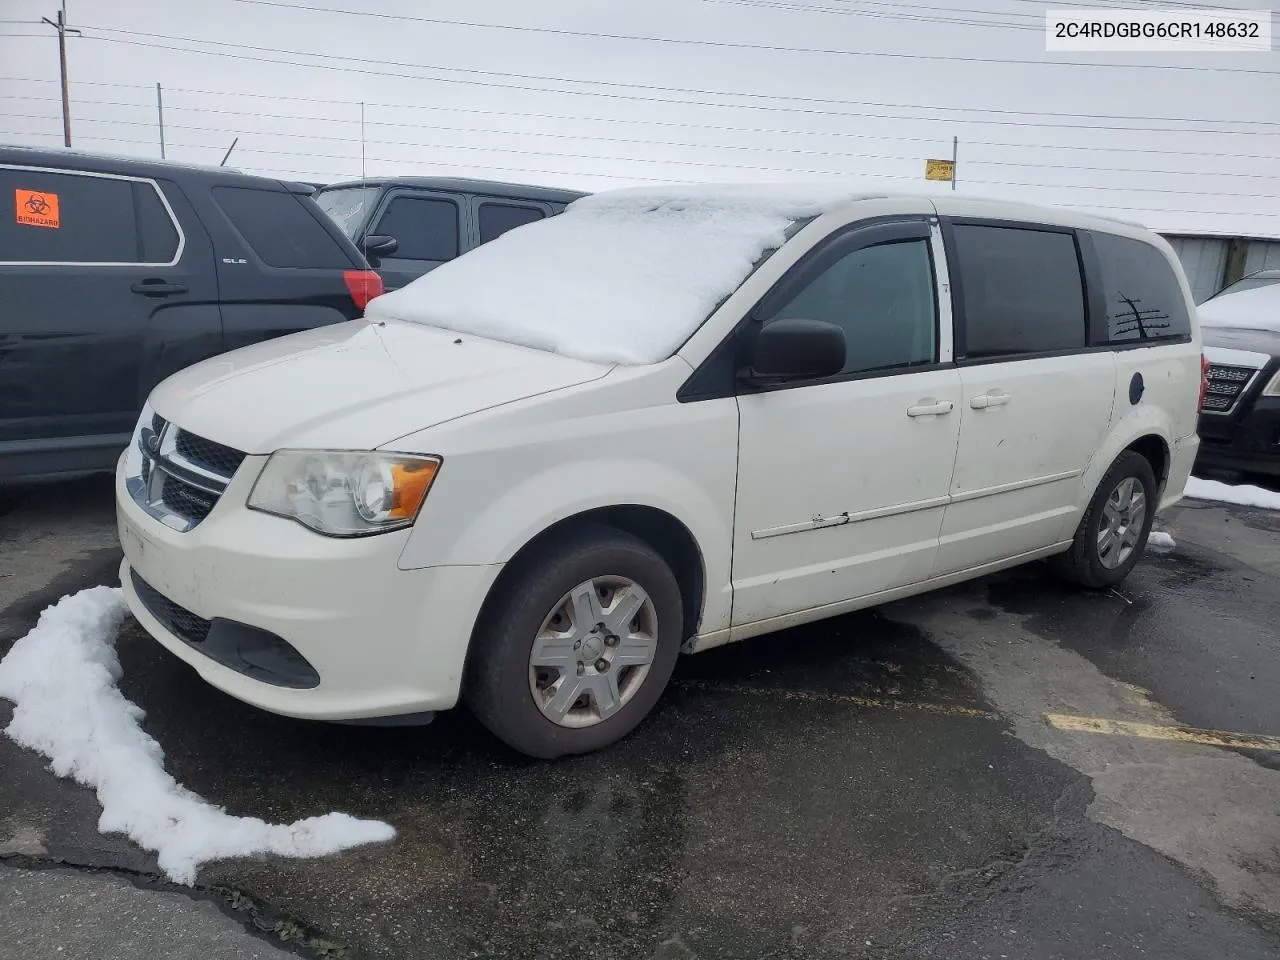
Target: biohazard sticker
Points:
x,y
35,208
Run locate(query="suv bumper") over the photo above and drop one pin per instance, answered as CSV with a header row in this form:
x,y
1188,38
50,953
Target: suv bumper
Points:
x,y
296,623
1248,441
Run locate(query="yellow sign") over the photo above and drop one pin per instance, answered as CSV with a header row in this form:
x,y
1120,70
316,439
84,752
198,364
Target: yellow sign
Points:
x,y
939,170
35,208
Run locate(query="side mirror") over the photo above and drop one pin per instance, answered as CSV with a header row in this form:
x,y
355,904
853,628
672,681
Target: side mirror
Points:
x,y
797,349
379,245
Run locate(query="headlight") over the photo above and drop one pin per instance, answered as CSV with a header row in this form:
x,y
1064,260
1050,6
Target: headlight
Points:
x,y
344,494
1272,389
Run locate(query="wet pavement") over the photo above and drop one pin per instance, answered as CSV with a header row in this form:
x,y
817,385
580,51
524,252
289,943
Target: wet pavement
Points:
x,y
881,785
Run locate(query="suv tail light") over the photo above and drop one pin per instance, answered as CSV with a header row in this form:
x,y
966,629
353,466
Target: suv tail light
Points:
x,y
1204,380
363,286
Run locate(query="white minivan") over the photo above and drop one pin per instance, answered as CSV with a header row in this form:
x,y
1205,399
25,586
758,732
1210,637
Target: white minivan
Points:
x,y
665,420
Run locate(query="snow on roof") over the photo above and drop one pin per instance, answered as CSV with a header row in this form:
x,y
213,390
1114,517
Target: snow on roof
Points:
x,y
1254,309
623,276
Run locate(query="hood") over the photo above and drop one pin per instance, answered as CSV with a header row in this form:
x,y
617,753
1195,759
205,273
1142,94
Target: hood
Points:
x,y
1260,344
355,386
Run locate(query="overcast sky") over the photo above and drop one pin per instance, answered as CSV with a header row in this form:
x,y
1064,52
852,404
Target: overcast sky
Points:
x,y
1176,148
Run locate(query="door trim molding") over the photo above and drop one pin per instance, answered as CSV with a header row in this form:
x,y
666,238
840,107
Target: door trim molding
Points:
x,y
840,519
820,522
1015,485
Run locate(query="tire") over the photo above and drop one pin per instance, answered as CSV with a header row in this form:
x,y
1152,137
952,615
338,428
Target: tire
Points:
x,y
1097,563
536,612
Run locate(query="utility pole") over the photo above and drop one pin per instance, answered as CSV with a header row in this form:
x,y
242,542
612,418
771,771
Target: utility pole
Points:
x,y
160,117
361,139
955,155
63,30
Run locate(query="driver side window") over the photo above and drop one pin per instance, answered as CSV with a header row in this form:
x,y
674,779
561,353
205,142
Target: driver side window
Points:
x,y
883,298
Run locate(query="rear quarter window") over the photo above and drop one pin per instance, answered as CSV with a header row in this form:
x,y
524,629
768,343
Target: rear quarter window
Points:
x,y
280,228
1143,296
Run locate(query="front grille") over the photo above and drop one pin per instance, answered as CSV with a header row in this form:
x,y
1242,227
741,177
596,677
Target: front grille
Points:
x,y
214,457
175,618
183,475
185,500
1226,384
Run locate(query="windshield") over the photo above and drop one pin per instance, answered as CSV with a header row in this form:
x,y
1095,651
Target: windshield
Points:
x,y
624,276
348,207
1246,283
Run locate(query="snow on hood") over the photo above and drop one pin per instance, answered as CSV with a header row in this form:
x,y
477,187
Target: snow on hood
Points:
x,y
1256,309
623,276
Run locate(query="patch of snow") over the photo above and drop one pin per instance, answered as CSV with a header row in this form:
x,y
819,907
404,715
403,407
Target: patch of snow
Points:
x,y
1241,494
1256,309
1160,542
62,680
623,276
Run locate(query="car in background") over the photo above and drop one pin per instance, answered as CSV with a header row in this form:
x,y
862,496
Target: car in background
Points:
x,y
116,272
1240,422
410,225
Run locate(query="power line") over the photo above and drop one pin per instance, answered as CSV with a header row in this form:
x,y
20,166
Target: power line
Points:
x,y
620,96
663,143
882,15
555,31
694,90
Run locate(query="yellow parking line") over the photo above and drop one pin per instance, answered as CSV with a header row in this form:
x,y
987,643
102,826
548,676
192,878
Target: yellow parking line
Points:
x,y
1154,731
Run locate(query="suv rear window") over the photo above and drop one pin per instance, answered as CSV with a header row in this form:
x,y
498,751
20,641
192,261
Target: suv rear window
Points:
x,y
67,218
497,218
280,229
1022,290
1144,298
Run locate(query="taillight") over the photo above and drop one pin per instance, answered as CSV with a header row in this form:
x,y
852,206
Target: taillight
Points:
x,y
363,286
1204,380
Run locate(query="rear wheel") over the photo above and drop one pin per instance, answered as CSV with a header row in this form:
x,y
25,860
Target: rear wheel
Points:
x,y
1113,531
579,645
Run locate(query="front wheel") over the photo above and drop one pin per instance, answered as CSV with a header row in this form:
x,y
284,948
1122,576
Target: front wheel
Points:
x,y
578,646
1113,531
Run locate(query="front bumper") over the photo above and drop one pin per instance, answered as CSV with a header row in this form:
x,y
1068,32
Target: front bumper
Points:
x,y
383,641
1247,441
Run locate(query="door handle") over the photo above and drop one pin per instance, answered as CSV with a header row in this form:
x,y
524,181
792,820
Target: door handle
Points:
x,y
930,408
158,288
996,398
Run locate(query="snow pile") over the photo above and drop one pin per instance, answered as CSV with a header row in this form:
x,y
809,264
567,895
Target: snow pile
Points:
x,y
62,679
1256,309
1243,494
1160,542
623,276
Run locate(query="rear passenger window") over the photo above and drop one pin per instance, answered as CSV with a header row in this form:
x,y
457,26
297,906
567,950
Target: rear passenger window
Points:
x,y
497,218
280,229
426,229
66,218
1144,298
1022,291
882,297
156,233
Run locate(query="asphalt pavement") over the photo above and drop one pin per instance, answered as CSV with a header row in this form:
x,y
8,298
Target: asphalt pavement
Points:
x,y
1008,768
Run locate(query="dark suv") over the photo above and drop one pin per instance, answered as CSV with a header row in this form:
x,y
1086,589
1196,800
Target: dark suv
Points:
x,y
114,273
414,224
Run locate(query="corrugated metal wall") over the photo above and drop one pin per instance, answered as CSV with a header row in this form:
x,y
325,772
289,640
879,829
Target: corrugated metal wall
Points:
x,y
1203,259
1261,255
